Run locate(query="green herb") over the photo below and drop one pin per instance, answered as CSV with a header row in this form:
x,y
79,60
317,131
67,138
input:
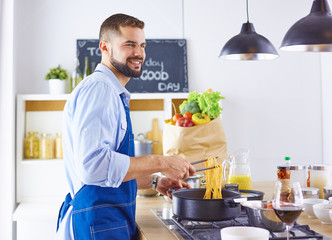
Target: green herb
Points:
x,y
57,73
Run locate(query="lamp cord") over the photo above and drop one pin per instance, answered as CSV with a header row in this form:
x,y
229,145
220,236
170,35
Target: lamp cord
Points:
x,y
247,12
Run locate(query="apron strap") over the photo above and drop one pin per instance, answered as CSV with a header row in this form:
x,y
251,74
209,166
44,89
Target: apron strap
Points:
x,y
64,207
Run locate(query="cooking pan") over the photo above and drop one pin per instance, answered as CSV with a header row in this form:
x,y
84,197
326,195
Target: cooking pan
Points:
x,y
189,204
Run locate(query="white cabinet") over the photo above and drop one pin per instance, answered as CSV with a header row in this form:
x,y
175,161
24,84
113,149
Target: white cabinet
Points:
x,y
41,184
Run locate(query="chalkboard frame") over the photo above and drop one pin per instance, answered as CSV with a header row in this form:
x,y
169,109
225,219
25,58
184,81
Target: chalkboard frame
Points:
x,y
165,68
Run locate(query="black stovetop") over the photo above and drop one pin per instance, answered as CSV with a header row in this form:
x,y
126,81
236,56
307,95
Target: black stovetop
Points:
x,y
193,230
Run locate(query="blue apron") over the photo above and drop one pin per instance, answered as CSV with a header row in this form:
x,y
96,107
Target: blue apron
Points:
x,y
105,212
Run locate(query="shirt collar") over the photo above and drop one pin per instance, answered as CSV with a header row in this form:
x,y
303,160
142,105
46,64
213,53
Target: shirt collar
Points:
x,y
117,85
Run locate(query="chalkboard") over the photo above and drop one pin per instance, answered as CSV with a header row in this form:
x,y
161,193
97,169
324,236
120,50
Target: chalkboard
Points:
x,y
89,48
164,69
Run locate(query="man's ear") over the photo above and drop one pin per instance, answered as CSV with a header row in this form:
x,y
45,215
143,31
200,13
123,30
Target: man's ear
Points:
x,y
103,45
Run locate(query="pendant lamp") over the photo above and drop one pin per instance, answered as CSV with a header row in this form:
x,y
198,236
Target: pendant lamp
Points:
x,y
248,45
312,33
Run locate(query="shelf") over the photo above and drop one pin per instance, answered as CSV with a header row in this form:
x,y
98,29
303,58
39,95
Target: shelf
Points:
x,y
43,113
38,160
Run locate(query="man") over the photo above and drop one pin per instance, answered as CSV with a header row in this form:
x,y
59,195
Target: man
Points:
x,y
101,169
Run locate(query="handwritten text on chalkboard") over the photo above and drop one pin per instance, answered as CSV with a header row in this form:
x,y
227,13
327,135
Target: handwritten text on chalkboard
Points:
x,y
164,69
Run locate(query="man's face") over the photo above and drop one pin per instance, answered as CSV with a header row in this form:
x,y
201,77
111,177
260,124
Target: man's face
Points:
x,y
128,51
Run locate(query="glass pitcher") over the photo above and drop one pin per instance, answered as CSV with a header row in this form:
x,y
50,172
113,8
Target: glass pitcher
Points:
x,y
236,170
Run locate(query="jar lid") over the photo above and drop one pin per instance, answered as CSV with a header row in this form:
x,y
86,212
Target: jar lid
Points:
x,y
283,167
328,190
298,167
310,191
320,167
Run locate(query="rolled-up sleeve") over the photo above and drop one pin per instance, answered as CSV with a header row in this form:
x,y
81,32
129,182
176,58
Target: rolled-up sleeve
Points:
x,y
99,124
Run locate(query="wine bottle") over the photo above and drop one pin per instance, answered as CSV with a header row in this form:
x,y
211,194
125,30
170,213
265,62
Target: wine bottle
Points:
x,y
76,77
86,67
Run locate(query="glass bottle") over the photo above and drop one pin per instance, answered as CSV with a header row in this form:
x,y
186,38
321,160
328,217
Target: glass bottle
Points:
x,y
284,174
86,71
46,146
31,145
58,146
287,161
76,77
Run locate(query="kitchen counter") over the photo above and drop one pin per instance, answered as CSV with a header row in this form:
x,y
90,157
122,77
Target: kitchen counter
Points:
x,y
151,227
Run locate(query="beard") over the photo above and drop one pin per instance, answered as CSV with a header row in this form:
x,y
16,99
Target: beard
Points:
x,y
124,68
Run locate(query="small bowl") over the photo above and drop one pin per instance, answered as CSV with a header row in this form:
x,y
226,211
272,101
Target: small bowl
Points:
x,y
309,202
244,233
261,216
322,212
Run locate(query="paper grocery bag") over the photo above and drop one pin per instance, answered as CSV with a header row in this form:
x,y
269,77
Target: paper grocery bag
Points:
x,y
197,142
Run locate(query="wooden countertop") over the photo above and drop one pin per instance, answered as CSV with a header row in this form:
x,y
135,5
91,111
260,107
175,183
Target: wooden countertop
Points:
x,y
152,228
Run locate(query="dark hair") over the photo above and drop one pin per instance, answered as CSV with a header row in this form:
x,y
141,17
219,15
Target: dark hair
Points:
x,y
112,25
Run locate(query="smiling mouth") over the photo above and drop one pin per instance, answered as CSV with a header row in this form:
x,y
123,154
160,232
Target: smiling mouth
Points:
x,y
136,62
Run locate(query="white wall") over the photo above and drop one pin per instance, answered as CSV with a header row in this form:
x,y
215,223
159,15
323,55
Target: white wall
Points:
x,y
7,120
273,108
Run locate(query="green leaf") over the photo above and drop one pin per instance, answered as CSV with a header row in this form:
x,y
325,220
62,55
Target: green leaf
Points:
x,y
57,73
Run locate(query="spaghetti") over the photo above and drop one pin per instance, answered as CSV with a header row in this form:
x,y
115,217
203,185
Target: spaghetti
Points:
x,y
213,179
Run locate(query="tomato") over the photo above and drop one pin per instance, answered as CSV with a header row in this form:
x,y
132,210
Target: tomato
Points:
x,y
188,115
176,117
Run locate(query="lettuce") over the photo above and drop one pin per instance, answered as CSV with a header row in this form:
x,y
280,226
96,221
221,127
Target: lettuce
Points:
x,y
208,102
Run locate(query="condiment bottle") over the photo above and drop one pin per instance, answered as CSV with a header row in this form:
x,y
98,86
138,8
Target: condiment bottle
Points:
x,y
320,177
46,146
31,145
58,146
287,161
284,175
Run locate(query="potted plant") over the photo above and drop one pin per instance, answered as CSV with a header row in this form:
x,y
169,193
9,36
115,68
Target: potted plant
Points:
x,y
57,80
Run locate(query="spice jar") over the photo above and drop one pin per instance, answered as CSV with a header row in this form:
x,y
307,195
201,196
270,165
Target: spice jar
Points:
x,y
310,192
283,172
320,177
284,175
31,145
58,146
299,174
46,146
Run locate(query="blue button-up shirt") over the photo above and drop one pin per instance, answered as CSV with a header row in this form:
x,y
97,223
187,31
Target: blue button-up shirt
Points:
x,y
94,124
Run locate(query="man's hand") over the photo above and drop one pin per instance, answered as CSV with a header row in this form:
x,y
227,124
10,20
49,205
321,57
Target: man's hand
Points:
x,y
177,168
164,184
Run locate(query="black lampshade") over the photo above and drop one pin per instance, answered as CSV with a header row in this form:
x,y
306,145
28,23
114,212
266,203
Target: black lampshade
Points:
x,y
248,45
312,33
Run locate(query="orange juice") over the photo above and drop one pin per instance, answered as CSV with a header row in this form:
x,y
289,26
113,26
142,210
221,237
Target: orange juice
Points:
x,y
244,181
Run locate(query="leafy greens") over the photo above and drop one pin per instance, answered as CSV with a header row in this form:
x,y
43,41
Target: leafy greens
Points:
x,y
208,102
